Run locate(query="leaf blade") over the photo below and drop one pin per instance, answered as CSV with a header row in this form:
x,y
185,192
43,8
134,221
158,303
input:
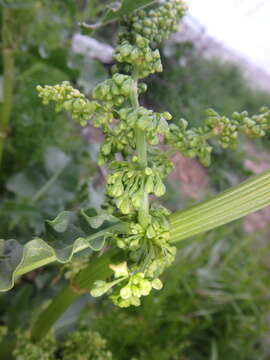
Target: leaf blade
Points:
x,y
66,235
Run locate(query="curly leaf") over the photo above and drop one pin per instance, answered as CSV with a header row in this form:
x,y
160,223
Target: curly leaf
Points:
x,y
60,223
96,221
66,235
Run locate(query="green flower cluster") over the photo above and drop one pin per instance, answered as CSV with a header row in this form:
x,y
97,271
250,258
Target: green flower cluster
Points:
x,y
159,159
138,55
190,142
127,288
227,130
149,254
159,23
69,99
195,142
115,91
81,344
137,164
153,124
25,349
120,136
157,233
84,344
128,184
114,142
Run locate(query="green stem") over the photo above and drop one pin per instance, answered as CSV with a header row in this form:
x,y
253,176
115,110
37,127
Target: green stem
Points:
x,y
81,284
233,204
141,148
8,69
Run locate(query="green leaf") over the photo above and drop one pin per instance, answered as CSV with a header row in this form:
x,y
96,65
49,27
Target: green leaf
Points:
x,y
29,182
66,235
60,223
95,221
118,10
233,204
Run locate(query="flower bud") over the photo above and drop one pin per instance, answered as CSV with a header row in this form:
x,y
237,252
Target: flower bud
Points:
x,y
125,292
159,189
145,287
100,287
157,284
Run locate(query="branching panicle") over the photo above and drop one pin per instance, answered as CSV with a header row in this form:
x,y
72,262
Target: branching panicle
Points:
x,y
132,151
194,142
133,133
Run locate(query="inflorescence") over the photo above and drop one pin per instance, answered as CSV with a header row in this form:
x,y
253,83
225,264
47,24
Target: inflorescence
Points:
x,y
131,149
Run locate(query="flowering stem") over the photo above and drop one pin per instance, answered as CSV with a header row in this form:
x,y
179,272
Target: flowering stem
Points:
x,y
141,147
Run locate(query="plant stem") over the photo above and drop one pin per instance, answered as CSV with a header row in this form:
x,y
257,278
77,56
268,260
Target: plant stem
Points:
x,y
230,205
141,148
81,284
8,66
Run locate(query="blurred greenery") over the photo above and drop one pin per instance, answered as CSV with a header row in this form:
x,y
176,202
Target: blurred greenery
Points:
x,y
36,135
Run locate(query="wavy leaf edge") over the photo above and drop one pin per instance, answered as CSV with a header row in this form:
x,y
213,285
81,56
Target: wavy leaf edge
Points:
x,y
16,259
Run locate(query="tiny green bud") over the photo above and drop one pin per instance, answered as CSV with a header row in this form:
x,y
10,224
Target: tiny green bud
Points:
x,y
167,115
125,292
145,287
148,171
119,269
100,287
157,284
